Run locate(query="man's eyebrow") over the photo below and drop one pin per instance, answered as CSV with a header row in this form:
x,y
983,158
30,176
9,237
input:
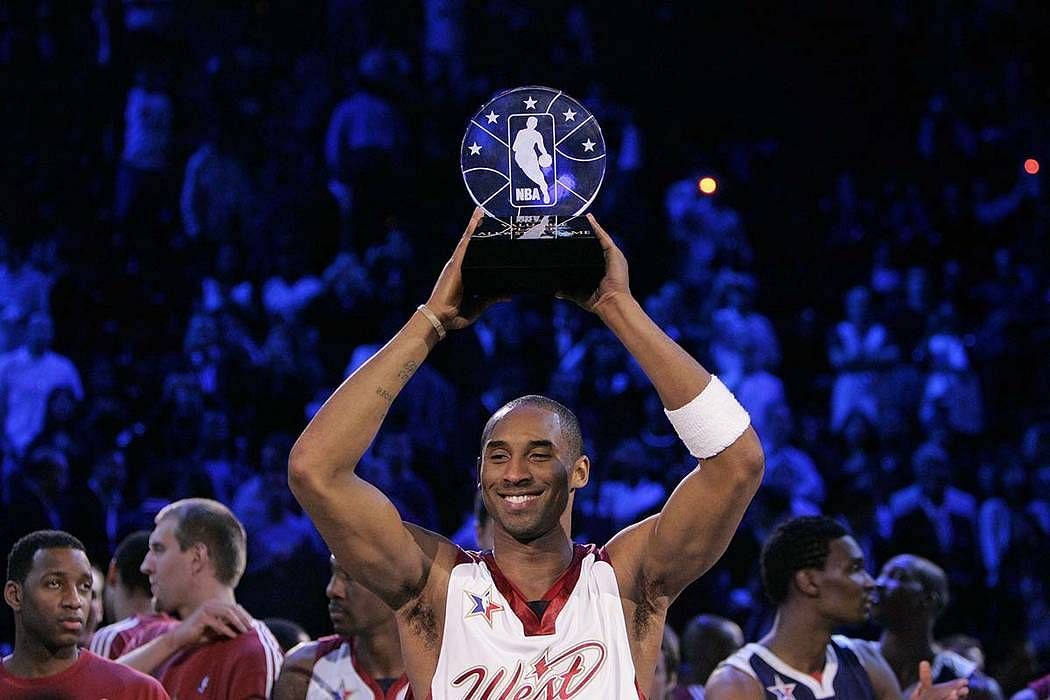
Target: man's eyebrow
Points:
x,y
503,444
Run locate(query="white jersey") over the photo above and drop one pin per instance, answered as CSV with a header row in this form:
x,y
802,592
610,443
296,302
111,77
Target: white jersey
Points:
x,y
495,646
336,675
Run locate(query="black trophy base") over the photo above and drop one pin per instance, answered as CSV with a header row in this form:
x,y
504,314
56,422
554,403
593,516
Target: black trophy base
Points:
x,y
532,255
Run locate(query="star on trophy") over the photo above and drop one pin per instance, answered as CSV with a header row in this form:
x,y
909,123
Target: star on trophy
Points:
x,y
533,158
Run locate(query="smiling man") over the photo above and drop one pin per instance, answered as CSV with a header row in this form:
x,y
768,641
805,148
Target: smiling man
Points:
x,y
536,615
363,657
49,589
813,571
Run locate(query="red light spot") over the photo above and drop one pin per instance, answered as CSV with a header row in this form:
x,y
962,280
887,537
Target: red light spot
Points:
x,y
707,185
1031,166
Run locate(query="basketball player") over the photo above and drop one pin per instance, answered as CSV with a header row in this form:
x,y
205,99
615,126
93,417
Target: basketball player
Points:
x,y
537,614
363,657
526,142
196,557
49,588
813,570
912,594
128,599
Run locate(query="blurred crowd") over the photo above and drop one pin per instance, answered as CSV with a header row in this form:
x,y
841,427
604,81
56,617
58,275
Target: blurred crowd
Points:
x,y
212,211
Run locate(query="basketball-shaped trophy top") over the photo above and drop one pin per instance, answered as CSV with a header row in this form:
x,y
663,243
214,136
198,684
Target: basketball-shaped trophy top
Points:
x,y
533,151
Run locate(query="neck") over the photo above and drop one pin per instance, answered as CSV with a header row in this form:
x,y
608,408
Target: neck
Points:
x,y
33,659
379,651
799,637
533,567
206,590
905,648
127,605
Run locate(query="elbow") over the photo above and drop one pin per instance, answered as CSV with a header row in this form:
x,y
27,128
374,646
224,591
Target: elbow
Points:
x,y
751,460
303,473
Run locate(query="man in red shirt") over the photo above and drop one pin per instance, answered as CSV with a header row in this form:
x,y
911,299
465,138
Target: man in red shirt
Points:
x,y
196,557
128,600
363,656
49,588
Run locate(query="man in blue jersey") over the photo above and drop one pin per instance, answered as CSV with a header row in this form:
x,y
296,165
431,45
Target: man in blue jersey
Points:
x,y
813,570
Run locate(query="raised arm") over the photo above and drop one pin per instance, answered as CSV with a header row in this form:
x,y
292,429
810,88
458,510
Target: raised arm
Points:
x,y
687,537
359,523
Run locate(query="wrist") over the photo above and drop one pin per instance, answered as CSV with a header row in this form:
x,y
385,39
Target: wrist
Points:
x,y
613,304
432,318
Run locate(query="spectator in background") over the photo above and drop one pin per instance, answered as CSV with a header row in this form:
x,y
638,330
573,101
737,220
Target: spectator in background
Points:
x,y
365,147
936,520
857,349
276,527
218,197
28,375
24,291
128,600
951,389
788,468
148,121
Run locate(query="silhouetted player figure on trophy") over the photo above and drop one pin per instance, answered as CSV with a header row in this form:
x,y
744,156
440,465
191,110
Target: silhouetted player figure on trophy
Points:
x,y
525,144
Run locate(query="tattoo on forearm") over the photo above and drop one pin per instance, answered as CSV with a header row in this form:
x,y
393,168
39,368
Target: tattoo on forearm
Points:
x,y
406,371
380,391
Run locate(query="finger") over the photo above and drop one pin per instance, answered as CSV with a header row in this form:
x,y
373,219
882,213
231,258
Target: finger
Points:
x,y
475,218
219,626
925,675
603,237
464,240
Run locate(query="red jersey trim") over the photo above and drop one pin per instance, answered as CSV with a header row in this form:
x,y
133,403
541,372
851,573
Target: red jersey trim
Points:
x,y
377,690
557,596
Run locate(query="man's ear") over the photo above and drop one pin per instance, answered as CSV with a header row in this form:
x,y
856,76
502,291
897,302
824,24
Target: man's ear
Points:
x,y
111,574
199,557
13,595
807,581
581,473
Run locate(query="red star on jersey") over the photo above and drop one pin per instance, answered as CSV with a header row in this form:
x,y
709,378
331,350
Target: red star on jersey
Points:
x,y
782,690
483,605
343,693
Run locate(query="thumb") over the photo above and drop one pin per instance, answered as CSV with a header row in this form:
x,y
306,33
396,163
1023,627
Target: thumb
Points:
x,y
925,675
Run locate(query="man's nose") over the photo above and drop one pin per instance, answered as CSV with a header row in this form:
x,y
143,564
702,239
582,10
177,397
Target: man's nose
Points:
x,y
517,470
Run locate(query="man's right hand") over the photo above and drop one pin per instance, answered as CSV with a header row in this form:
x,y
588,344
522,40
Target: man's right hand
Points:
x,y
447,299
926,690
212,620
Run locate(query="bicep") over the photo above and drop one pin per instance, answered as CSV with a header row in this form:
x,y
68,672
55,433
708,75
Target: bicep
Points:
x,y
702,514
367,536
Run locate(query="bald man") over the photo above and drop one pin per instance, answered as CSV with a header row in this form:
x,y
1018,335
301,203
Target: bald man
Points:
x,y
912,594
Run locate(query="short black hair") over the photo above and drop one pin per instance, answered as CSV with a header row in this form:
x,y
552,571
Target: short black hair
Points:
x,y
796,544
20,558
128,560
570,424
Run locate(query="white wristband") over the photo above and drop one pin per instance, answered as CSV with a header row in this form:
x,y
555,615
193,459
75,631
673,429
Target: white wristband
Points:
x,y
710,422
434,321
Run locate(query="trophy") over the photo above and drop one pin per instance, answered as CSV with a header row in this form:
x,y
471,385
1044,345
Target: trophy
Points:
x,y
533,158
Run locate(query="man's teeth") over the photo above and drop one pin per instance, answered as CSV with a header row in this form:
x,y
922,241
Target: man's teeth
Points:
x,y
520,499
